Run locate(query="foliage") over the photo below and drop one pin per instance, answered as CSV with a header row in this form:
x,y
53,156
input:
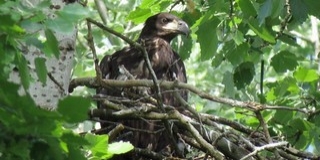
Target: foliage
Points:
x,y
249,50
28,132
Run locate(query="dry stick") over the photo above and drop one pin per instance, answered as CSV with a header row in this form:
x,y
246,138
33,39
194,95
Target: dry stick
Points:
x,y
150,154
267,146
213,152
115,131
266,131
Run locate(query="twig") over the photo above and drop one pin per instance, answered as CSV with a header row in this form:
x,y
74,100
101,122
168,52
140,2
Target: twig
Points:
x,y
149,154
267,146
95,58
115,131
265,130
100,25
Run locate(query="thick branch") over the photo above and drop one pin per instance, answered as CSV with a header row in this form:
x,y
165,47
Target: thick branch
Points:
x,y
253,106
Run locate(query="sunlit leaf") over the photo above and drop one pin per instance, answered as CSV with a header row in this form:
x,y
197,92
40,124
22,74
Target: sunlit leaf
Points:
x,y
9,26
305,75
99,145
120,147
139,15
261,31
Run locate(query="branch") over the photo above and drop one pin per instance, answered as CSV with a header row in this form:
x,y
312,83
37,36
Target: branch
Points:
x,y
265,147
252,106
103,27
95,58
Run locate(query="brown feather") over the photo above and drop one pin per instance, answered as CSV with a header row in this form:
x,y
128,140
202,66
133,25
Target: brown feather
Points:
x,y
165,62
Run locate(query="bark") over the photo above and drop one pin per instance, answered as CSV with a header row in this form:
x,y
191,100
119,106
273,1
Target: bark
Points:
x,y
59,70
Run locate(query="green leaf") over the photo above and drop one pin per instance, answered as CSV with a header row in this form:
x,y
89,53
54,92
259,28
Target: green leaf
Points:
x,y
74,139
228,84
261,31
98,145
300,124
147,3
139,15
207,38
247,8
60,25
238,37
289,40
243,74
313,7
283,117
305,75
277,8
74,109
74,12
217,59
264,11
284,61
299,10
237,54
75,153
20,149
41,69
9,26
51,44
120,147
23,70
270,96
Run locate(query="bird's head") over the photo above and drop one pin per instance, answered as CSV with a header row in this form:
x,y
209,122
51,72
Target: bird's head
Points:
x,y
164,25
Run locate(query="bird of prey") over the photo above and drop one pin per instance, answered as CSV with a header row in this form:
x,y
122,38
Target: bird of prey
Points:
x,y
129,63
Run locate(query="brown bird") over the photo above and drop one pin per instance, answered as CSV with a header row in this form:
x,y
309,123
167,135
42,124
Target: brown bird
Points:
x,y
129,63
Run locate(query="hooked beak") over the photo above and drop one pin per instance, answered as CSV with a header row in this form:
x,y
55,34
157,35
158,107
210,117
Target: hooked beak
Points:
x,y
183,28
178,27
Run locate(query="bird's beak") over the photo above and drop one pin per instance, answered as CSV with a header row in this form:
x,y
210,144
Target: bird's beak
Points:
x,y
178,27
183,28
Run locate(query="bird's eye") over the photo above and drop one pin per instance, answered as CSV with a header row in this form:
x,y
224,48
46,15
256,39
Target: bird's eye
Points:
x,y
165,20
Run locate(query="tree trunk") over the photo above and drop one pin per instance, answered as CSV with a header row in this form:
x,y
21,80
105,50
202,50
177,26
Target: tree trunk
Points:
x,y
59,70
